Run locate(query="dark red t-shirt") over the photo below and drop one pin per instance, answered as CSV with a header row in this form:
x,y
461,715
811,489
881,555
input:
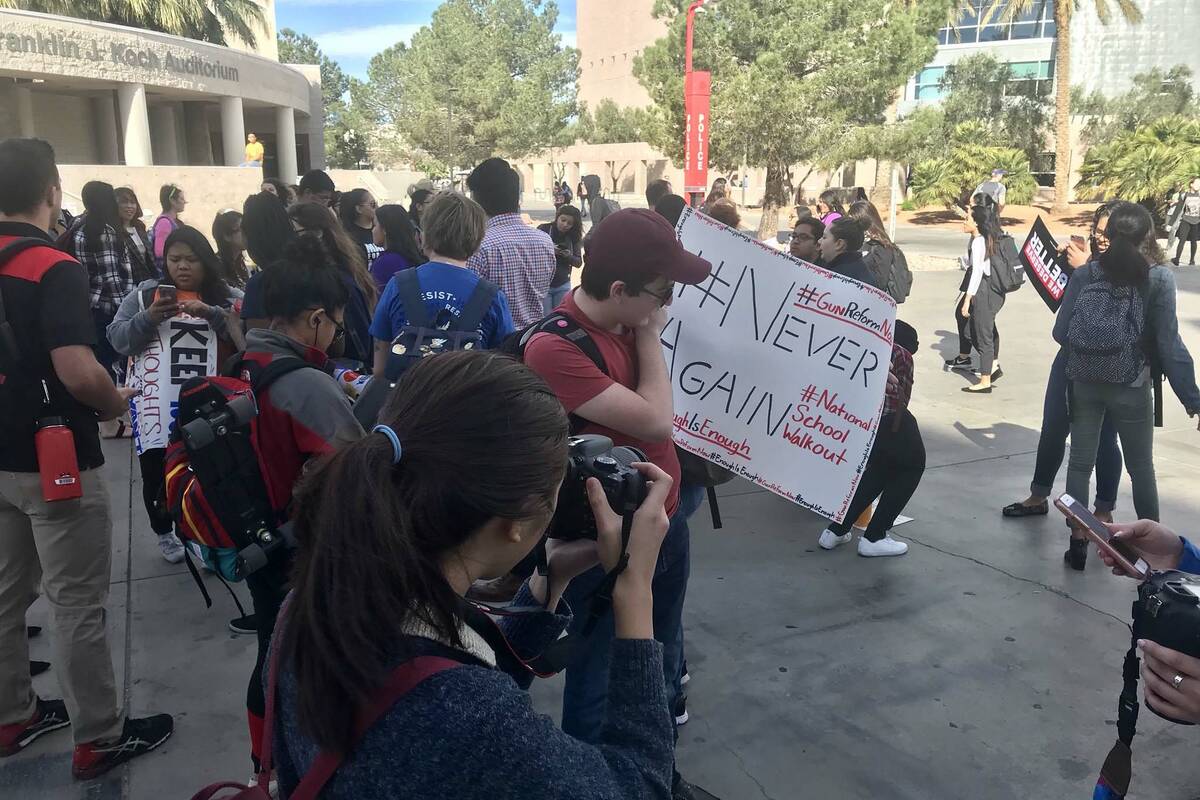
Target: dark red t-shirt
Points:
x,y
575,379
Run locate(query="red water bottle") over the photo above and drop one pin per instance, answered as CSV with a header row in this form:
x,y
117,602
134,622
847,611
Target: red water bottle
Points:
x,y
57,462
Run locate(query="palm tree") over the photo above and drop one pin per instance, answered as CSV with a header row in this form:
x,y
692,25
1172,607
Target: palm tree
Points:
x,y
1064,11
215,21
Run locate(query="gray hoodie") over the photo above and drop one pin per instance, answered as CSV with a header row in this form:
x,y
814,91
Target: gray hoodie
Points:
x,y
132,330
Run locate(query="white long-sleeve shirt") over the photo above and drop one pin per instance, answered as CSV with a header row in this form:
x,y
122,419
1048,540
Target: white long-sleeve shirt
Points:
x,y
981,265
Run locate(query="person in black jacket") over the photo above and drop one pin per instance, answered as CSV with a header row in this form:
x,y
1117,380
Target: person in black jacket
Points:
x,y
567,234
841,250
882,256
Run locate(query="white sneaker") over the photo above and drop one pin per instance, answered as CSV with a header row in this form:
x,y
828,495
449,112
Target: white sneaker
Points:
x,y
830,540
170,547
887,546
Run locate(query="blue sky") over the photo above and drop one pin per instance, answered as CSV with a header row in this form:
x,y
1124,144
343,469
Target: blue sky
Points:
x,y
351,31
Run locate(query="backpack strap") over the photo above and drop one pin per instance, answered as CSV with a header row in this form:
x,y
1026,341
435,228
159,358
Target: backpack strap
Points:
x,y
262,377
261,380
477,306
10,351
564,326
409,289
147,297
402,680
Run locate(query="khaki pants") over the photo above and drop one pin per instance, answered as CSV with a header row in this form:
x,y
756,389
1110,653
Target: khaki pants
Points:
x,y
66,546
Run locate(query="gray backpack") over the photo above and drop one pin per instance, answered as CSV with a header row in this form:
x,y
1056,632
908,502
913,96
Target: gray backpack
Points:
x,y
1106,337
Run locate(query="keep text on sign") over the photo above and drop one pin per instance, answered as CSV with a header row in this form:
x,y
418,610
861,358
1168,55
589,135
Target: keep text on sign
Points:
x,y
186,347
778,367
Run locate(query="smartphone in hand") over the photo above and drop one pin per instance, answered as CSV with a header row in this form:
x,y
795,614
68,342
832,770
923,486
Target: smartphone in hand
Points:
x,y
1099,533
166,292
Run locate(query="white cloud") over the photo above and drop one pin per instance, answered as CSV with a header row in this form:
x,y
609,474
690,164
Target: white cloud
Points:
x,y
568,38
364,41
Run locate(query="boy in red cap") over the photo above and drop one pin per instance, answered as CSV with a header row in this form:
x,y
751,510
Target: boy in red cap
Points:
x,y
633,263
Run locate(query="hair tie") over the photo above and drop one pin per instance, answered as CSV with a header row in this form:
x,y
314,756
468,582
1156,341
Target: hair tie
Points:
x,y
397,450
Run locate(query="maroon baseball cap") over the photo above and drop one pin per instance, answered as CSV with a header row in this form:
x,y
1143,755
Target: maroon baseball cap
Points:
x,y
642,241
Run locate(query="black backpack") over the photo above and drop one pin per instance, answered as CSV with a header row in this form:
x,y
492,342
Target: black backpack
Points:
x,y
1008,274
890,269
423,337
693,469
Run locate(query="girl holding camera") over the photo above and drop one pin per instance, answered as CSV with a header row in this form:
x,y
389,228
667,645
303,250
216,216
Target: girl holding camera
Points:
x,y
458,484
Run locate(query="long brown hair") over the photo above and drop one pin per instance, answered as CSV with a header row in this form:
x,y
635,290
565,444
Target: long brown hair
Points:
x,y
483,437
867,215
344,250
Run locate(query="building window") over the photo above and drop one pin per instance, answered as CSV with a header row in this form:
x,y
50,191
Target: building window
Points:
x,y
1036,22
1039,75
929,83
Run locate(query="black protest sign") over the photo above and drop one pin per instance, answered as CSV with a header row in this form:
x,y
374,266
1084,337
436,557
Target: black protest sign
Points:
x,y
1045,266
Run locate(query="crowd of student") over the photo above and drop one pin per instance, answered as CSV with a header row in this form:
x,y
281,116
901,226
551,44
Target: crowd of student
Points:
x,y
449,491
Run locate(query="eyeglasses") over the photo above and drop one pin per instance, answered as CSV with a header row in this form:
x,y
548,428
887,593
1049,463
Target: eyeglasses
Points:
x,y
663,298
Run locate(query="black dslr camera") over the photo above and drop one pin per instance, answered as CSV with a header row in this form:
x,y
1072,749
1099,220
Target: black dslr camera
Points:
x,y
1167,612
595,457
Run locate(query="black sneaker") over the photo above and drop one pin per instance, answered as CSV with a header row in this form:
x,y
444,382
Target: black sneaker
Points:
x,y
244,626
50,716
961,362
139,736
680,713
1076,555
686,676
682,790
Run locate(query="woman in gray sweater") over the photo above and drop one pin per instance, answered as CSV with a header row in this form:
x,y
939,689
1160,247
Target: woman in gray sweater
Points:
x,y
459,484
1119,328
194,271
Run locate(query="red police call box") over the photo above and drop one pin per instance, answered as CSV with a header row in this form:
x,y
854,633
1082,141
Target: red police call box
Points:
x,y
697,92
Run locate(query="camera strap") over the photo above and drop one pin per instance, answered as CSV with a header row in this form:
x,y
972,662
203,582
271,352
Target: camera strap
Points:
x,y
1117,772
559,654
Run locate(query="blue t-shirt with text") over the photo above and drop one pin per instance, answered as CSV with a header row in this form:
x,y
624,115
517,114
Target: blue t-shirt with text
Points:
x,y
443,286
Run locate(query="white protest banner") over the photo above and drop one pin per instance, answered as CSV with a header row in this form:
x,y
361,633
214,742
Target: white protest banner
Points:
x,y
186,347
778,367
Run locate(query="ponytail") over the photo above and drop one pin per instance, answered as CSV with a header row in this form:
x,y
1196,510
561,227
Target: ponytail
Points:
x,y
482,437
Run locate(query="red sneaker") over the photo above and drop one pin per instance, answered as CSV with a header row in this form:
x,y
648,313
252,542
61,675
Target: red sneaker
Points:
x,y
50,716
139,736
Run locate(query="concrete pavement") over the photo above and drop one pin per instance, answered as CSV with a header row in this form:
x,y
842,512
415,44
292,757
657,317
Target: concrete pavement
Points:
x,y
976,666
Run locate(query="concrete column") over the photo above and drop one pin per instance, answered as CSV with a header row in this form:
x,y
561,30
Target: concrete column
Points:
x,y
572,177
106,124
135,124
164,138
24,99
181,138
199,142
641,177
233,131
285,142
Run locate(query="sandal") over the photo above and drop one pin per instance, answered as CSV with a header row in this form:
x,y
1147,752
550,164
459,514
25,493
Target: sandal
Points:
x,y
1019,509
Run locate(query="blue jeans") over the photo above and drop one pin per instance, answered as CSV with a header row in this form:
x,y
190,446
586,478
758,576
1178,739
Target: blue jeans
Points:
x,y
556,296
586,692
1052,446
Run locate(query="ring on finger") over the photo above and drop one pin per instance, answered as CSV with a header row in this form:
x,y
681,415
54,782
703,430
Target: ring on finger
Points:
x,y
1177,681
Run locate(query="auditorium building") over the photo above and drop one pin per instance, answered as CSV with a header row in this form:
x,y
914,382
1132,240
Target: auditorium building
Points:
x,y
138,106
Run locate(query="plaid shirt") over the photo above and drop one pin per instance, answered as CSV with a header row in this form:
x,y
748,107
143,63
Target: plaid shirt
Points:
x,y
520,260
109,279
896,399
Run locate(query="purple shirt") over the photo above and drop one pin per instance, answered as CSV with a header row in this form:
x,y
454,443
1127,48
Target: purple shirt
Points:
x,y
387,265
520,260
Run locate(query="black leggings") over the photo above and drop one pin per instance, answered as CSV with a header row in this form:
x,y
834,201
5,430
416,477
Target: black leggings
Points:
x,y
894,470
153,480
1187,233
268,587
